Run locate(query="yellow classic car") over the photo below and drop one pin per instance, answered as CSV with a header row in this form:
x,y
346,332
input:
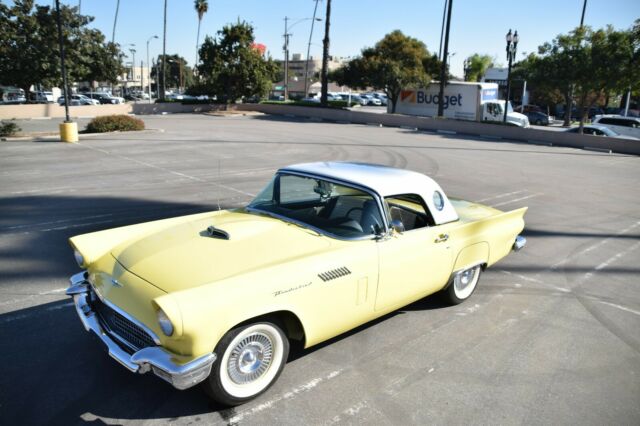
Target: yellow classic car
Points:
x,y
216,298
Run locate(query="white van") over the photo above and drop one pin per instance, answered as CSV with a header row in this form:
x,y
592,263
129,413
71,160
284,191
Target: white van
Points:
x,y
629,126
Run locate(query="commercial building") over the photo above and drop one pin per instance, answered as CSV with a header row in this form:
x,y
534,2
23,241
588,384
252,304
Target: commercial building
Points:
x,y
297,67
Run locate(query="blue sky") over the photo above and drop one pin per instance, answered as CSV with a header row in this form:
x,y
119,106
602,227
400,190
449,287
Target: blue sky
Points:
x,y
476,27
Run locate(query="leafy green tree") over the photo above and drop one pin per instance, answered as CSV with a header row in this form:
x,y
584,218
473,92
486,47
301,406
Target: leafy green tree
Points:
x,y
231,67
477,66
396,62
584,66
30,54
179,74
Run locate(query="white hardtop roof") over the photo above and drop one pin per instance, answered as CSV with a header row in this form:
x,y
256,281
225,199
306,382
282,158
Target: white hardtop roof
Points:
x,y
384,180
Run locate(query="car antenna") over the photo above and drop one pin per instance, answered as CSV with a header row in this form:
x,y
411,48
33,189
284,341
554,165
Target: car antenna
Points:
x,y
219,186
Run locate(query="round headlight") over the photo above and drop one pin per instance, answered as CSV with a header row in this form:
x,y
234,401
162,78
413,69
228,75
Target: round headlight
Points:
x,y
79,258
165,323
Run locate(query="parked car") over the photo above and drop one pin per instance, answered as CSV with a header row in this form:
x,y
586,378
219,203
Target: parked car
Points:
x,y
42,97
103,98
538,118
78,100
13,96
217,297
598,130
629,126
383,98
370,100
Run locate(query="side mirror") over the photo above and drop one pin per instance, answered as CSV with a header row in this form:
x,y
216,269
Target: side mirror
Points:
x,y
397,226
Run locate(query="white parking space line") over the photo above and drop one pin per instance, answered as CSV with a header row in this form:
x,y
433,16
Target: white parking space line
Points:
x,y
495,197
10,318
55,222
622,308
310,385
32,296
609,261
516,200
153,166
594,246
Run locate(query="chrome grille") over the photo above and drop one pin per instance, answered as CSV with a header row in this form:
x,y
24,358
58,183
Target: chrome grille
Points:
x,y
127,332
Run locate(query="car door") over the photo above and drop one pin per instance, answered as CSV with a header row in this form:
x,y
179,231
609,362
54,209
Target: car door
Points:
x,y
413,263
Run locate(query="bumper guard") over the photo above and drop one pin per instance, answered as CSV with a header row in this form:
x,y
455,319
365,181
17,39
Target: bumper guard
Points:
x,y
156,358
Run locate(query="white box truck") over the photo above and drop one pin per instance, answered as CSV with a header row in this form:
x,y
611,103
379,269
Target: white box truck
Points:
x,y
462,101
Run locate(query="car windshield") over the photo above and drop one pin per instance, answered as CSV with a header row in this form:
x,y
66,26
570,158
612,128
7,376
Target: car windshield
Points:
x,y
334,209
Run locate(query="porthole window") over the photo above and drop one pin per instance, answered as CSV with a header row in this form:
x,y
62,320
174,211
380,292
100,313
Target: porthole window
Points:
x,y
438,201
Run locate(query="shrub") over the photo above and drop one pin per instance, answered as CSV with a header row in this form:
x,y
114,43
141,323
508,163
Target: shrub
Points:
x,y
114,123
9,128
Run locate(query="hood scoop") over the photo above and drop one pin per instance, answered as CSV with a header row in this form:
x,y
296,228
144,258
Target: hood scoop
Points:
x,y
214,232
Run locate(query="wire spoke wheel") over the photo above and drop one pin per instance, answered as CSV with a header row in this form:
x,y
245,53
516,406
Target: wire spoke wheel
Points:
x,y
250,359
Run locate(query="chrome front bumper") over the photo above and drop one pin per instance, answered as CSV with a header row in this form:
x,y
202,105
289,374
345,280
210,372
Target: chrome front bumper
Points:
x,y
519,243
156,358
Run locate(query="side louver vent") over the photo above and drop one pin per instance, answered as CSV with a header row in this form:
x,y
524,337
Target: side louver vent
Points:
x,y
334,273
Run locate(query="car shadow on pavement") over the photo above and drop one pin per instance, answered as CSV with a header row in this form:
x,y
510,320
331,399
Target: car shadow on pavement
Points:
x,y
51,363
35,229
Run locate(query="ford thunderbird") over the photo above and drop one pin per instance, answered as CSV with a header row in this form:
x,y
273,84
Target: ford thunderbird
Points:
x,y
217,298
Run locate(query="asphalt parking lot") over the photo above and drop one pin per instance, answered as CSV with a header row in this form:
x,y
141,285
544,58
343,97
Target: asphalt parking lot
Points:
x,y
551,336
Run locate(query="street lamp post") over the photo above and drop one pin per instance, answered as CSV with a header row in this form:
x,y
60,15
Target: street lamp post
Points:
x,y
306,66
512,48
133,66
149,68
286,51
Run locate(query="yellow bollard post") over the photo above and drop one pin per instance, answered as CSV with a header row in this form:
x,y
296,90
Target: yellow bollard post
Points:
x,y
69,132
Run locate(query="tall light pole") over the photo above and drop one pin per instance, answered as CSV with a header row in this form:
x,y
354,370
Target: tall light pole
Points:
x,y
306,66
443,69
512,48
286,58
324,77
161,91
286,51
584,9
149,68
133,65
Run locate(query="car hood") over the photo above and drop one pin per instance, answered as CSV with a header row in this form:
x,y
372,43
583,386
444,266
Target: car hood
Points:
x,y
184,255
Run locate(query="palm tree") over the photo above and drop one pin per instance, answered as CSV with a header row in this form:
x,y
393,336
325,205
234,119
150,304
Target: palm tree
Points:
x,y
115,20
202,7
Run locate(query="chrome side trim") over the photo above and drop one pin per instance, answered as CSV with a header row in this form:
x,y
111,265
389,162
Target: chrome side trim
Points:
x,y
156,359
519,243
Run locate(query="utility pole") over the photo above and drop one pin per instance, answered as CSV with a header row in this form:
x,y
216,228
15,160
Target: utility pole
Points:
x,y
286,59
164,53
306,66
584,8
444,14
65,88
325,56
443,70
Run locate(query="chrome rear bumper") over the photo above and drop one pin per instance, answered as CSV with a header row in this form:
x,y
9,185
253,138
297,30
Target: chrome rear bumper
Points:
x,y
156,358
519,243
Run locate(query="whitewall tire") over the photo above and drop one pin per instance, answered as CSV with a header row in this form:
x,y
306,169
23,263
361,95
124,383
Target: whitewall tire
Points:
x,y
250,359
463,285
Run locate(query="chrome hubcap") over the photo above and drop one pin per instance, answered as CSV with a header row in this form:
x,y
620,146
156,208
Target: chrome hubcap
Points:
x,y
250,358
464,279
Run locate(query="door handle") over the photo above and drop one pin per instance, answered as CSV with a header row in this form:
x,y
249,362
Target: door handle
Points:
x,y
442,238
